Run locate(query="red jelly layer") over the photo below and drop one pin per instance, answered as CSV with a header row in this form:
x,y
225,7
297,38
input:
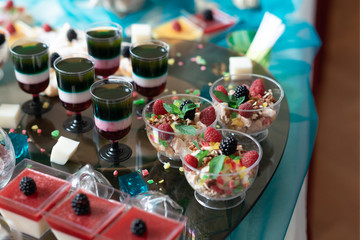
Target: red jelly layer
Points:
x,y
45,197
63,218
158,227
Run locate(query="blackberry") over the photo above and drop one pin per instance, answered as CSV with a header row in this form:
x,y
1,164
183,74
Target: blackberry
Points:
x,y
208,15
71,34
53,57
242,91
228,145
27,186
80,204
189,114
138,227
125,51
2,38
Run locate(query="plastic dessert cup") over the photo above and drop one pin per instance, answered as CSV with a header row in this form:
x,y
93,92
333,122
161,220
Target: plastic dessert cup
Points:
x,y
104,45
226,188
4,50
75,74
26,211
7,158
265,108
168,144
31,63
65,224
157,227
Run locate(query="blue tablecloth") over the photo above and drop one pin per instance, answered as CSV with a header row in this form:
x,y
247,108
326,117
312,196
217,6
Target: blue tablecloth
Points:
x,y
291,62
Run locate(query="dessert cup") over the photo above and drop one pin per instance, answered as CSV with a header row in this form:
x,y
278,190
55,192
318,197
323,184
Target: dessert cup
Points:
x,y
4,51
168,144
25,211
7,158
257,120
227,187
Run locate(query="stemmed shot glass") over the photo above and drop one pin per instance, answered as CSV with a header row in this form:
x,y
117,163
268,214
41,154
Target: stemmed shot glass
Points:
x,y
149,60
30,57
112,104
104,45
75,74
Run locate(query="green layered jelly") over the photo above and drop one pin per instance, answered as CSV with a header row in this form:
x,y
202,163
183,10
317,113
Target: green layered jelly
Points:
x,y
104,43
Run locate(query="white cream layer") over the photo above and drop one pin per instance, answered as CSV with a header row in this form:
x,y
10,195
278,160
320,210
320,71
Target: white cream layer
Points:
x,y
63,236
149,82
112,126
107,63
74,98
33,228
32,78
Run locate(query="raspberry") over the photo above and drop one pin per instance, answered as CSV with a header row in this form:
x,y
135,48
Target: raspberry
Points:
x,y
46,27
71,34
212,135
176,26
242,91
249,158
158,107
27,186
221,89
9,5
228,145
189,114
246,106
165,127
208,15
80,204
208,115
191,160
257,88
11,28
138,227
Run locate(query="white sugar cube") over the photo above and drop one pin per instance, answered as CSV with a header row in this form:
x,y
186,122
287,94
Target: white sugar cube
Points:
x,y
238,65
9,115
140,32
63,150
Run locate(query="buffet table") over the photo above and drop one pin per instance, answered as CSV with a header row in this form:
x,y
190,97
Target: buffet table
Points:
x,y
269,205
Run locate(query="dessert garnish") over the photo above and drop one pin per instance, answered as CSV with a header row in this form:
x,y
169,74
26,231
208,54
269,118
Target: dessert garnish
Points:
x,y
190,112
27,186
176,25
46,27
242,91
11,28
208,15
80,204
125,51
2,38
71,34
138,227
53,57
228,145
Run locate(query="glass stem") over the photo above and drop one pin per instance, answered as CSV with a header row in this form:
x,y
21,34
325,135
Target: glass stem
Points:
x,y
78,117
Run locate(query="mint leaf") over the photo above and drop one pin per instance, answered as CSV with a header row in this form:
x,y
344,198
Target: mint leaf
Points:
x,y
196,144
172,108
232,98
188,107
233,115
202,135
240,101
162,142
233,157
200,156
186,130
221,96
216,164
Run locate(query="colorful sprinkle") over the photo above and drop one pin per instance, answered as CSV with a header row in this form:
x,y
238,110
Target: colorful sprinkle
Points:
x,y
173,92
55,133
115,173
218,126
200,46
145,172
39,131
178,54
69,113
34,127
139,101
167,165
29,166
187,91
46,105
181,169
42,149
11,130
161,181
139,118
180,63
175,97
202,68
171,61
135,94
29,140
193,59
23,131
150,181
166,90
210,83
196,91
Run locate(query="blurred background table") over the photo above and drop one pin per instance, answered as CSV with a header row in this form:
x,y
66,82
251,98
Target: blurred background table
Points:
x,y
291,61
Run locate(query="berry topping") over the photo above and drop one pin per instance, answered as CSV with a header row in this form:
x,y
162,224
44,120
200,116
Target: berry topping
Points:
x,y
71,34
191,160
11,28
53,57
257,88
246,106
228,145
208,115
176,26
242,91
158,107
46,27
9,4
221,89
80,204
138,227
27,186
165,127
208,15
189,114
212,135
2,38
125,51
249,158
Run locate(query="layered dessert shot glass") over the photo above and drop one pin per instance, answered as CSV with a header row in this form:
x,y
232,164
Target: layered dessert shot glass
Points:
x,y
83,215
172,119
247,103
33,191
104,45
31,63
221,166
112,106
136,223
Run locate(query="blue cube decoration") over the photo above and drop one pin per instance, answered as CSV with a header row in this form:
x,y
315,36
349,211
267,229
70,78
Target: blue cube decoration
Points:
x,y
132,184
21,146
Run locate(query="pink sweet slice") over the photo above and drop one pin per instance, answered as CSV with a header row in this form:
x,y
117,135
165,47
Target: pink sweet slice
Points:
x,y
158,227
49,191
102,211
